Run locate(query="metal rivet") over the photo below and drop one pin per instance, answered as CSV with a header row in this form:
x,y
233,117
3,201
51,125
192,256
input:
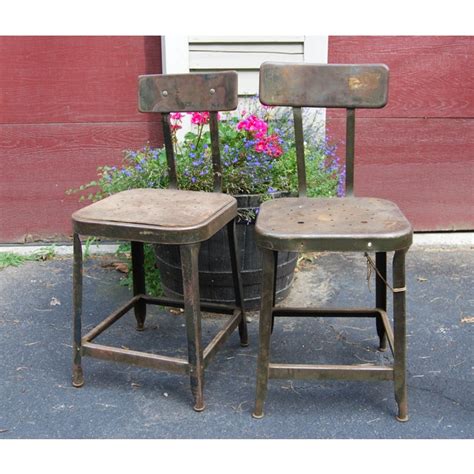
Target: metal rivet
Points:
x,y
212,91
369,244
164,93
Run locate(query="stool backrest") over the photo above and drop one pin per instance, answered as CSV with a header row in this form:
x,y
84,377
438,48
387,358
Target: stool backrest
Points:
x,y
194,92
348,86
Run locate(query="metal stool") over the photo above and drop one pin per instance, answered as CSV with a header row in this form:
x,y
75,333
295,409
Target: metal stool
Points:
x,y
167,216
346,224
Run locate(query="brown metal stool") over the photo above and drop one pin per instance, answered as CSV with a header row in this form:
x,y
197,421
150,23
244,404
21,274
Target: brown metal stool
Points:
x,y
167,216
339,224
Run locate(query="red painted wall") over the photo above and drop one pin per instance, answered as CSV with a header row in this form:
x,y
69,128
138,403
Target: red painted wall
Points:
x,y
67,106
419,150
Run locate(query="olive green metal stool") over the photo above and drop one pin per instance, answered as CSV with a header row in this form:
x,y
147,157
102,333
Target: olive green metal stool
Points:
x,y
348,224
167,216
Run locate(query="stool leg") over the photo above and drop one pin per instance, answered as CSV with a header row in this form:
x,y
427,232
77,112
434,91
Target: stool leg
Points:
x,y
139,288
77,375
399,316
192,312
264,330
381,297
237,278
275,272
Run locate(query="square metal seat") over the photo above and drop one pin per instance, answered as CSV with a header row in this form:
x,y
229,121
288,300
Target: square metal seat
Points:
x,y
157,215
332,224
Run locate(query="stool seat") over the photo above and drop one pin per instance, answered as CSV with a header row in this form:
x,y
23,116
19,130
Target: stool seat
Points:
x,y
332,224
157,215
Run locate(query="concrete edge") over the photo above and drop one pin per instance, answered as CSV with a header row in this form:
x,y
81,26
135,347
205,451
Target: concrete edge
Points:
x,y
448,240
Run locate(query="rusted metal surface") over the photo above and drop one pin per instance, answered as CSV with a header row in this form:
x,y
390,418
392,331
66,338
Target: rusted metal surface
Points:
x,y
77,375
166,216
350,146
330,372
169,149
264,330
325,224
324,85
347,224
215,150
381,296
299,145
238,285
139,287
399,322
192,313
196,92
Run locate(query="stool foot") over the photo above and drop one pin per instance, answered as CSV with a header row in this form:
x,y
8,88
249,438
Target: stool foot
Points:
x,y
244,344
77,377
402,419
199,407
258,416
140,327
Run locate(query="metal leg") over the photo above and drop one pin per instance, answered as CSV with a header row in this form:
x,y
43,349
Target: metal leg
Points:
x,y
268,283
139,283
237,277
399,317
77,375
192,312
275,272
381,296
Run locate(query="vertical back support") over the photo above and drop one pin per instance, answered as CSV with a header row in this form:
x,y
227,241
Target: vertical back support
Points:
x,y
346,86
208,92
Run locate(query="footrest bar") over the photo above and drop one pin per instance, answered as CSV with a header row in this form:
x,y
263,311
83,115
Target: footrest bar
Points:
x,y
107,322
221,337
209,307
330,372
330,312
142,359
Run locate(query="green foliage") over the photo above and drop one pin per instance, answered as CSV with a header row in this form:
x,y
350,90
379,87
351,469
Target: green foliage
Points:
x,y
152,274
11,259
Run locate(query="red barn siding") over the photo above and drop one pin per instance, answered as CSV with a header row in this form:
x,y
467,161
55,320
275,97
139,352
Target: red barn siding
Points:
x,y
418,151
67,106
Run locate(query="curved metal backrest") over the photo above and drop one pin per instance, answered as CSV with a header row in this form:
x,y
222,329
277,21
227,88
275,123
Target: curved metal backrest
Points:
x,y
348,86
193,92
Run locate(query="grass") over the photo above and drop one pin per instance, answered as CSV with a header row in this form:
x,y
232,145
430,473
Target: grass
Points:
x,y
10,259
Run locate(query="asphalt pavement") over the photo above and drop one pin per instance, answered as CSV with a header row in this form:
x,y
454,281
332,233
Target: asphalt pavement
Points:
x,y
119,401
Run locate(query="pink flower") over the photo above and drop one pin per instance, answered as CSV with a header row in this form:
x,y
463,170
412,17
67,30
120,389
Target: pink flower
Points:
x,y
175,122
269,145
254,125
176,116
200,118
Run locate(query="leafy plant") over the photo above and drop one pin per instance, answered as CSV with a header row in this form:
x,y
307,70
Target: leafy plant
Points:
x,y
11,259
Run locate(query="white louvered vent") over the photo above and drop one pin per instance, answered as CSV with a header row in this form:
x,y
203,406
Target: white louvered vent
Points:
x,y
243,54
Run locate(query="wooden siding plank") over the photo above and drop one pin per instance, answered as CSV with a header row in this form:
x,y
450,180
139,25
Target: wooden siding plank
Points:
x,y
40,162
74,79
423,165
430,76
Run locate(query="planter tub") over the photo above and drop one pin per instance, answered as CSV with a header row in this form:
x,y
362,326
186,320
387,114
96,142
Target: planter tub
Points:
x,y
215,276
